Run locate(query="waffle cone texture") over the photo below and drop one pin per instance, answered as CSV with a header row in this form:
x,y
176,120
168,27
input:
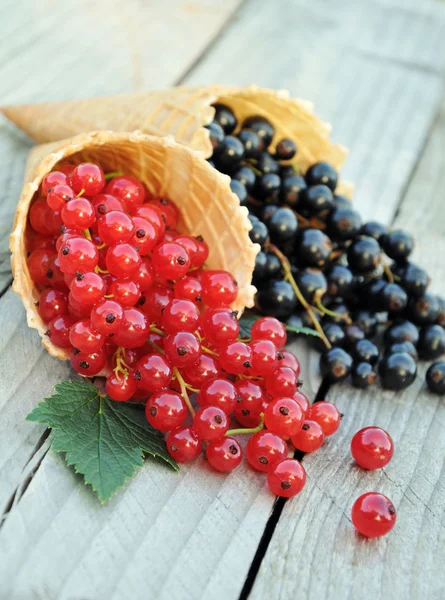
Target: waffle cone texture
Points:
x,y
203,195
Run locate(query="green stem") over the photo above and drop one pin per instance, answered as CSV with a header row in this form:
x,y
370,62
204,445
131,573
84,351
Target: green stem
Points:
x,y
184,394
109,176
331,313
249,430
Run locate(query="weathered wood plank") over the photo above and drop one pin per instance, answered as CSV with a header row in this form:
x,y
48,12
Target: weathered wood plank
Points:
x,y
380,109
316,553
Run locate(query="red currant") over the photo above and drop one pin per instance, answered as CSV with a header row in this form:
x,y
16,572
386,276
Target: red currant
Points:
x,y
59,331
38,241
205,368
236,358
52,304
53,221
265,449
78,254
373,515
66,235
210,423
203,251
55,277
302,401
224,454
180,315
220,326
105,203
128,190
87,178
165,410
282,382
125,291
87,288
264,357
309,438
85,338
145,236
144,276
133,331
115,227
122,260
287,478
38,265
120,389
155,338
170,260
37,216
169,211
59,196
283,416
182,349
287,359
51,180
269,328
88,364
157,298
250,402
218,288
78,214
188,288
153,372
372,448
218,392
183,444
326,415
153,215
107,316
191,245
76,309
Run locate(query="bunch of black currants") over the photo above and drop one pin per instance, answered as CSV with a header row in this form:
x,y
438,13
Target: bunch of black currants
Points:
x,y
320,266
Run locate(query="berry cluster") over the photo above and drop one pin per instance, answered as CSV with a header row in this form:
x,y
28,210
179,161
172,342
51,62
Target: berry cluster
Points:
x,y
320,266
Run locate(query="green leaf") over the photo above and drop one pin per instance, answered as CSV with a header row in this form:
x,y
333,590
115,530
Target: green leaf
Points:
x,y
245,324
103,439
303,330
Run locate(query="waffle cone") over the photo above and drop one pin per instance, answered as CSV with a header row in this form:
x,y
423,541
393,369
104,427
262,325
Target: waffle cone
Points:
x,y
203,195
183,112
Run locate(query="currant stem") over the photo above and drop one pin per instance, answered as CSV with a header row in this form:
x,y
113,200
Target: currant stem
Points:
x,y
80,193
191,389
113,174
388,272
87,234
156,347
290,278
101,246
248,430
183,387
331,313
208,351
109,296
97,269
156,330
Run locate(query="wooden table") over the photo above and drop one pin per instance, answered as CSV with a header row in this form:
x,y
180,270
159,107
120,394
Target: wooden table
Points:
x,y
375,69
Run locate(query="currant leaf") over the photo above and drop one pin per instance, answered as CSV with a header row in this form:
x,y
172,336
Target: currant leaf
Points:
x,y
104,440
245,325
303,330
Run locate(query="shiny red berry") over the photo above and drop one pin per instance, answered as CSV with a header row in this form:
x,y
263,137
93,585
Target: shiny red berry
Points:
x,y
107,316
129,190
59,331
269,328
283,416
205,368
88,364
372,448
105,203
224,454
115,227
152,214
125,291
249,406
51,180
145,236
210,423
87,178
133,331
188,288
182,348
286,478
180,315
121,388
287,359
373,515
170,260
203,251
78,213
37,216
219,288
236,358
183,444
219,392
220,326
78,254
122,260
265,449
155,301
302,401
59,196
264,359
165,410
88,288
309,438
191,245
52,303
153,372
85,338
326,415
282,382
37,264
144,276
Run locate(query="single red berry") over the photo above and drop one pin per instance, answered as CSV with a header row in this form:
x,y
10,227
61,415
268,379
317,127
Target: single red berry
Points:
x,y
54,276
265,449
203,251
53,221
66,235
182,349
67,170
218,392
78,254
210,423
85,338
115,227
220,326
155,301
169,210
125,291
302,401
87,178
120,389
264,357
327,415
77,310
282,382
188,288
51,180
269,328
191,245
205,368
133,331
38,265
219,288
107,316
122,260
224,454
287,359
170,260
59,196
105,203
249,406
59,331
372,448
309,438
152,372
88,364
236,358
287,478
78,214
153,215
129,190
165,410
283,416
37,216
144,276
180,315
183,444
373,515
38,241
87,288
52,304
145,236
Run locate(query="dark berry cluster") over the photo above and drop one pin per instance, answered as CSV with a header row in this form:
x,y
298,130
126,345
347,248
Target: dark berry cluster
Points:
x,y
320,266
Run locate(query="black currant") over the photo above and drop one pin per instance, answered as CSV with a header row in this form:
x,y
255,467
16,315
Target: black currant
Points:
x,y
293,322
286,171
313,248
407,347
341,311
365,351
246,176
311,281
394,298
267,164
435,378
317,198
367,321
259,233
230,152
341,201
240,190
268,187
371,294
225,117
273,266
334,334
424,310
364,254
253,144
414,280
285,149
262,127
398,245
344,224
340,281
260,271
402,331
431,342
291,189
374,229
335,364
216,134
282,225
277,299
322,172
397,371
363,375
353,334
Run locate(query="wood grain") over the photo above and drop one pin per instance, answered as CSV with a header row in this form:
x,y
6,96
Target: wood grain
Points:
x,y
315,551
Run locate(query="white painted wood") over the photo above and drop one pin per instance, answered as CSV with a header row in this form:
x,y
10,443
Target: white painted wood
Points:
x,y
315,552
